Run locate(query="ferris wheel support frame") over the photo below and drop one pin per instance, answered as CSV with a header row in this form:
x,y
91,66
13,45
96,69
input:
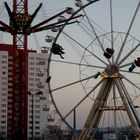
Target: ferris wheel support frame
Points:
x,y
96,112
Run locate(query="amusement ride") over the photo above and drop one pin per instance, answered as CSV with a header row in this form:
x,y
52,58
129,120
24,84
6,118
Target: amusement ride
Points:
x,y
93,65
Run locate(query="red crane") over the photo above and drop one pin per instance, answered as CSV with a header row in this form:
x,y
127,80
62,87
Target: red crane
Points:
x,y
20,26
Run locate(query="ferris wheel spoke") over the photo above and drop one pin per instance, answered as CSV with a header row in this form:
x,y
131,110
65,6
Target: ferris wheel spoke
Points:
x,y
85,48
115,104
130,82
127,102
87,95
121,119
127,34
86,29
129,54
133,85
98,39
134,72
77,64
130,102
125,65
111,23
73,83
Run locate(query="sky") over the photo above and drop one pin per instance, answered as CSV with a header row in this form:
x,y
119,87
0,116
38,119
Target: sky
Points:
x,y
99,15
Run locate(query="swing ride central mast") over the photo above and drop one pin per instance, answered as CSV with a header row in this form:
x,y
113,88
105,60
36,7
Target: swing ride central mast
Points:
x,y
20,27
20,77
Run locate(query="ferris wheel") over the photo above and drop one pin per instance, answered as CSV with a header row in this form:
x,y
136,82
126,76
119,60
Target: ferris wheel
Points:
x,y
95,72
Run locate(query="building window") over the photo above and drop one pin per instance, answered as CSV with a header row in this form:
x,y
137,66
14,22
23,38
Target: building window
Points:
x,y
31,63
3,116
31,74
30,122
3,78
37,122
31,90
3,133
4,62
3,105
31,68
3,89
37,127
37,58
4,100
4,83
30,127
3,72
31,79
37,101
30,111
31,58
37,79
37,117
37,106
30,106
4,56
31,84
3,94
37,133
3,127
3,122
3,111
37,111
4,67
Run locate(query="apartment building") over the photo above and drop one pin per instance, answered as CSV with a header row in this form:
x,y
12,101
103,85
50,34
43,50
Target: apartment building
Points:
x,y
38,96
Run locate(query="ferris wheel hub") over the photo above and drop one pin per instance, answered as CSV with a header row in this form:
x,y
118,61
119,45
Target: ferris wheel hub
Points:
x,y
111,71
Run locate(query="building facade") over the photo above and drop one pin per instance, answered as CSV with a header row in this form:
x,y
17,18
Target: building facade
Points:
x,y
38,96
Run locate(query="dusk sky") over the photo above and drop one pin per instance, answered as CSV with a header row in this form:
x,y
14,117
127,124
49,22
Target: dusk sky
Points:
x,y
82,35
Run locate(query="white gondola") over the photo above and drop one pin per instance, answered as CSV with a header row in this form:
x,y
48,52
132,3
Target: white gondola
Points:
x,y
40,74
78,3
45,108
44,49
51,118
39,85
66,131
54,29
41,62
49,39
61,18
69,10
42,98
